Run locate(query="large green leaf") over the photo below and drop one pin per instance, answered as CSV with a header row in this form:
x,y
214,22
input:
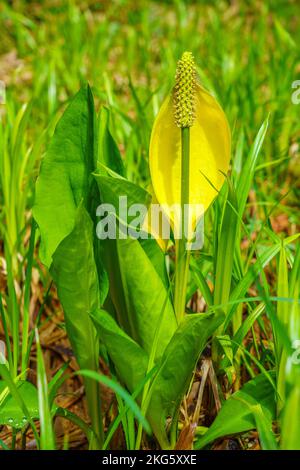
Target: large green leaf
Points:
x,y
237,414
75,275
176,368
112,188
157,258
129,358
142,304
65,175
11,413
66,200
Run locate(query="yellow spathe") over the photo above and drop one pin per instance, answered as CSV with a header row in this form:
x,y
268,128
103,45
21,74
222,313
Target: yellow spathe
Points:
x,y
209,153
154,227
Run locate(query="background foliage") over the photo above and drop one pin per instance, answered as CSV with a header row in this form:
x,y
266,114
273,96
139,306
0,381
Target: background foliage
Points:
x,y
248,56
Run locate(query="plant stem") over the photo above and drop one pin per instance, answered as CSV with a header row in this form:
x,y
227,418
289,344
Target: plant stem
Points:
x,y
182,255
146,396
14,439
236,323
92,391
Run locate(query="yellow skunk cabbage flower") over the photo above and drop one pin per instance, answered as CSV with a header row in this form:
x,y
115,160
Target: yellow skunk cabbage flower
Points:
x,y
189,106
189,157
184,91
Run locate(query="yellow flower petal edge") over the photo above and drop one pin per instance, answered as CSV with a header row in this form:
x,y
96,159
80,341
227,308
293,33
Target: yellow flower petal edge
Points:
x,y
209,153
150,227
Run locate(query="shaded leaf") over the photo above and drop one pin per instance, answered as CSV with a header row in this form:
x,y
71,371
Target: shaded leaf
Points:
x,y
129,358
157,258
141,305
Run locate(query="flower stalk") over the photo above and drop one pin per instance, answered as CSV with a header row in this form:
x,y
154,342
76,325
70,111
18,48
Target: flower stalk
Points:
x,y
184,112
182,254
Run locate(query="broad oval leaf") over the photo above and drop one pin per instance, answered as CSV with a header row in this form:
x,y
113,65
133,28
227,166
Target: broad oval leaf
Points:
x,y
66,199
75,274
141,304
128,357
65,175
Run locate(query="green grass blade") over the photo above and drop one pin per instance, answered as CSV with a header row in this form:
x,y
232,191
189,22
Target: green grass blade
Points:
x,y
47,441
28,273
102,379
247,174
6,334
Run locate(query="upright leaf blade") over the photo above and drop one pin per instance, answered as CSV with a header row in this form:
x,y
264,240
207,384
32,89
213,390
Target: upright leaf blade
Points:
x,y
129,358
65,175
100,378
225,249
47,441
246,177
65,195
108,152
75,275
141,306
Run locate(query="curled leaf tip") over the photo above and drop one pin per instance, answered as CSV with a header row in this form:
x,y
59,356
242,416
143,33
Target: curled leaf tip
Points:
x,y
184,91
